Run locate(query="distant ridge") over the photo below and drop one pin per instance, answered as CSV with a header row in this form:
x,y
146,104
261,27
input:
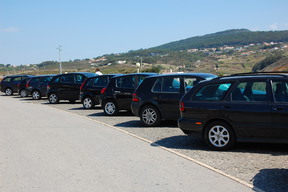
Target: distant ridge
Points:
x,y
232,37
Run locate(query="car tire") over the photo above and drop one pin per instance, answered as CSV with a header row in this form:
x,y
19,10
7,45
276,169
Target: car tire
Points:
x,y
36,95
23,93
8,91
88,103
111,108
53,98
219,136
150,116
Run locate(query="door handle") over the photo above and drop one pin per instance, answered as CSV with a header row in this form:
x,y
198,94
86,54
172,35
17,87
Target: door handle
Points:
x,y
226,107
278,108
117,92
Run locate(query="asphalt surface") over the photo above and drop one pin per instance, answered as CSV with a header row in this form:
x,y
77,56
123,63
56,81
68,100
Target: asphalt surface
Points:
x,y
258,166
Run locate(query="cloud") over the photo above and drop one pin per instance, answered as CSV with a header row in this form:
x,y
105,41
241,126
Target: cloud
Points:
x,y
274,26
9,29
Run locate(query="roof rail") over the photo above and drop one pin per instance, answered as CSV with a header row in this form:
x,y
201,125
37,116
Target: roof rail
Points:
x,y
280,73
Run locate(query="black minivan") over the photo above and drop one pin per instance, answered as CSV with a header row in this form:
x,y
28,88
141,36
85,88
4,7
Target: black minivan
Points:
x,y
9,84
90,90
117,95
66,86
158,97
37,86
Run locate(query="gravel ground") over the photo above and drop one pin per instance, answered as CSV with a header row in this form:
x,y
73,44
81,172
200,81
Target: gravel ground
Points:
x,y
263,166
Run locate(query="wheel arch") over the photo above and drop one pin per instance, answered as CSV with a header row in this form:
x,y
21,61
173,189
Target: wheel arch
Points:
x,y
218,119
151,104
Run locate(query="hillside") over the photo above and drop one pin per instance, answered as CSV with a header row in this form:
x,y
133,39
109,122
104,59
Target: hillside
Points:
x,y
234,37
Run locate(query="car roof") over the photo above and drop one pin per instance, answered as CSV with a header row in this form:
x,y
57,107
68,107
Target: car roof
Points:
x,y
19,76
202,75
87,74
105,75
44,75
131,74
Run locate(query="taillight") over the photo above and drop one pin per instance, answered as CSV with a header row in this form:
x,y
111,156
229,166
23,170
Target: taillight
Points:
x,y
135,98
48,87
18,85
182,107
81,87
27,84
103,90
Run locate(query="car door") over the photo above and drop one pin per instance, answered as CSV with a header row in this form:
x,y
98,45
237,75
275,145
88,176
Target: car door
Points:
x,y
280,109
124,88
67,86
78,80
42,85
169,95
15,82
249,109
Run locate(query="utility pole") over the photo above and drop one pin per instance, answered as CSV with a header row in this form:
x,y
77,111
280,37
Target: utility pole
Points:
x,y
60,64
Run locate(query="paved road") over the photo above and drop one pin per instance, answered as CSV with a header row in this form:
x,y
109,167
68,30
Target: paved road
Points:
x,y
46,149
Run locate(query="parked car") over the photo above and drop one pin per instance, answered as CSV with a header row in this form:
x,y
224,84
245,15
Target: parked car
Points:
x,y
237,108
66,86
37,86
117,95
22,87
90,90
9,85
158,97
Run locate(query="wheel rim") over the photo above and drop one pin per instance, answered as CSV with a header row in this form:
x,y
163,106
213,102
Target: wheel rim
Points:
x,y
23,93
110,108
8,92
149,116
87,103
36,95
53,98
219,136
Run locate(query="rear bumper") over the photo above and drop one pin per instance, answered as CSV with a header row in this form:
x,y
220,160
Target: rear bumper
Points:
x,y
191,125
135,108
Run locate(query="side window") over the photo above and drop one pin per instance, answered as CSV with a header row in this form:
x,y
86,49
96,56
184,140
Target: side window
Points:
x,y
157,85
171,85
125,82
67,79
45,79
89,82
141,79
190,82
8,79
57,79
79,79
34,80
280,91
212,92
252,91
17,79
100,81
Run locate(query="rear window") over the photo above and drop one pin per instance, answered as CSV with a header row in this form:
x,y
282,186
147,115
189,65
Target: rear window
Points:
x,y
212,92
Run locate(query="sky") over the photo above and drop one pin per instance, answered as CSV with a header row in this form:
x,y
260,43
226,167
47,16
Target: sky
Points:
x,y
32,30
